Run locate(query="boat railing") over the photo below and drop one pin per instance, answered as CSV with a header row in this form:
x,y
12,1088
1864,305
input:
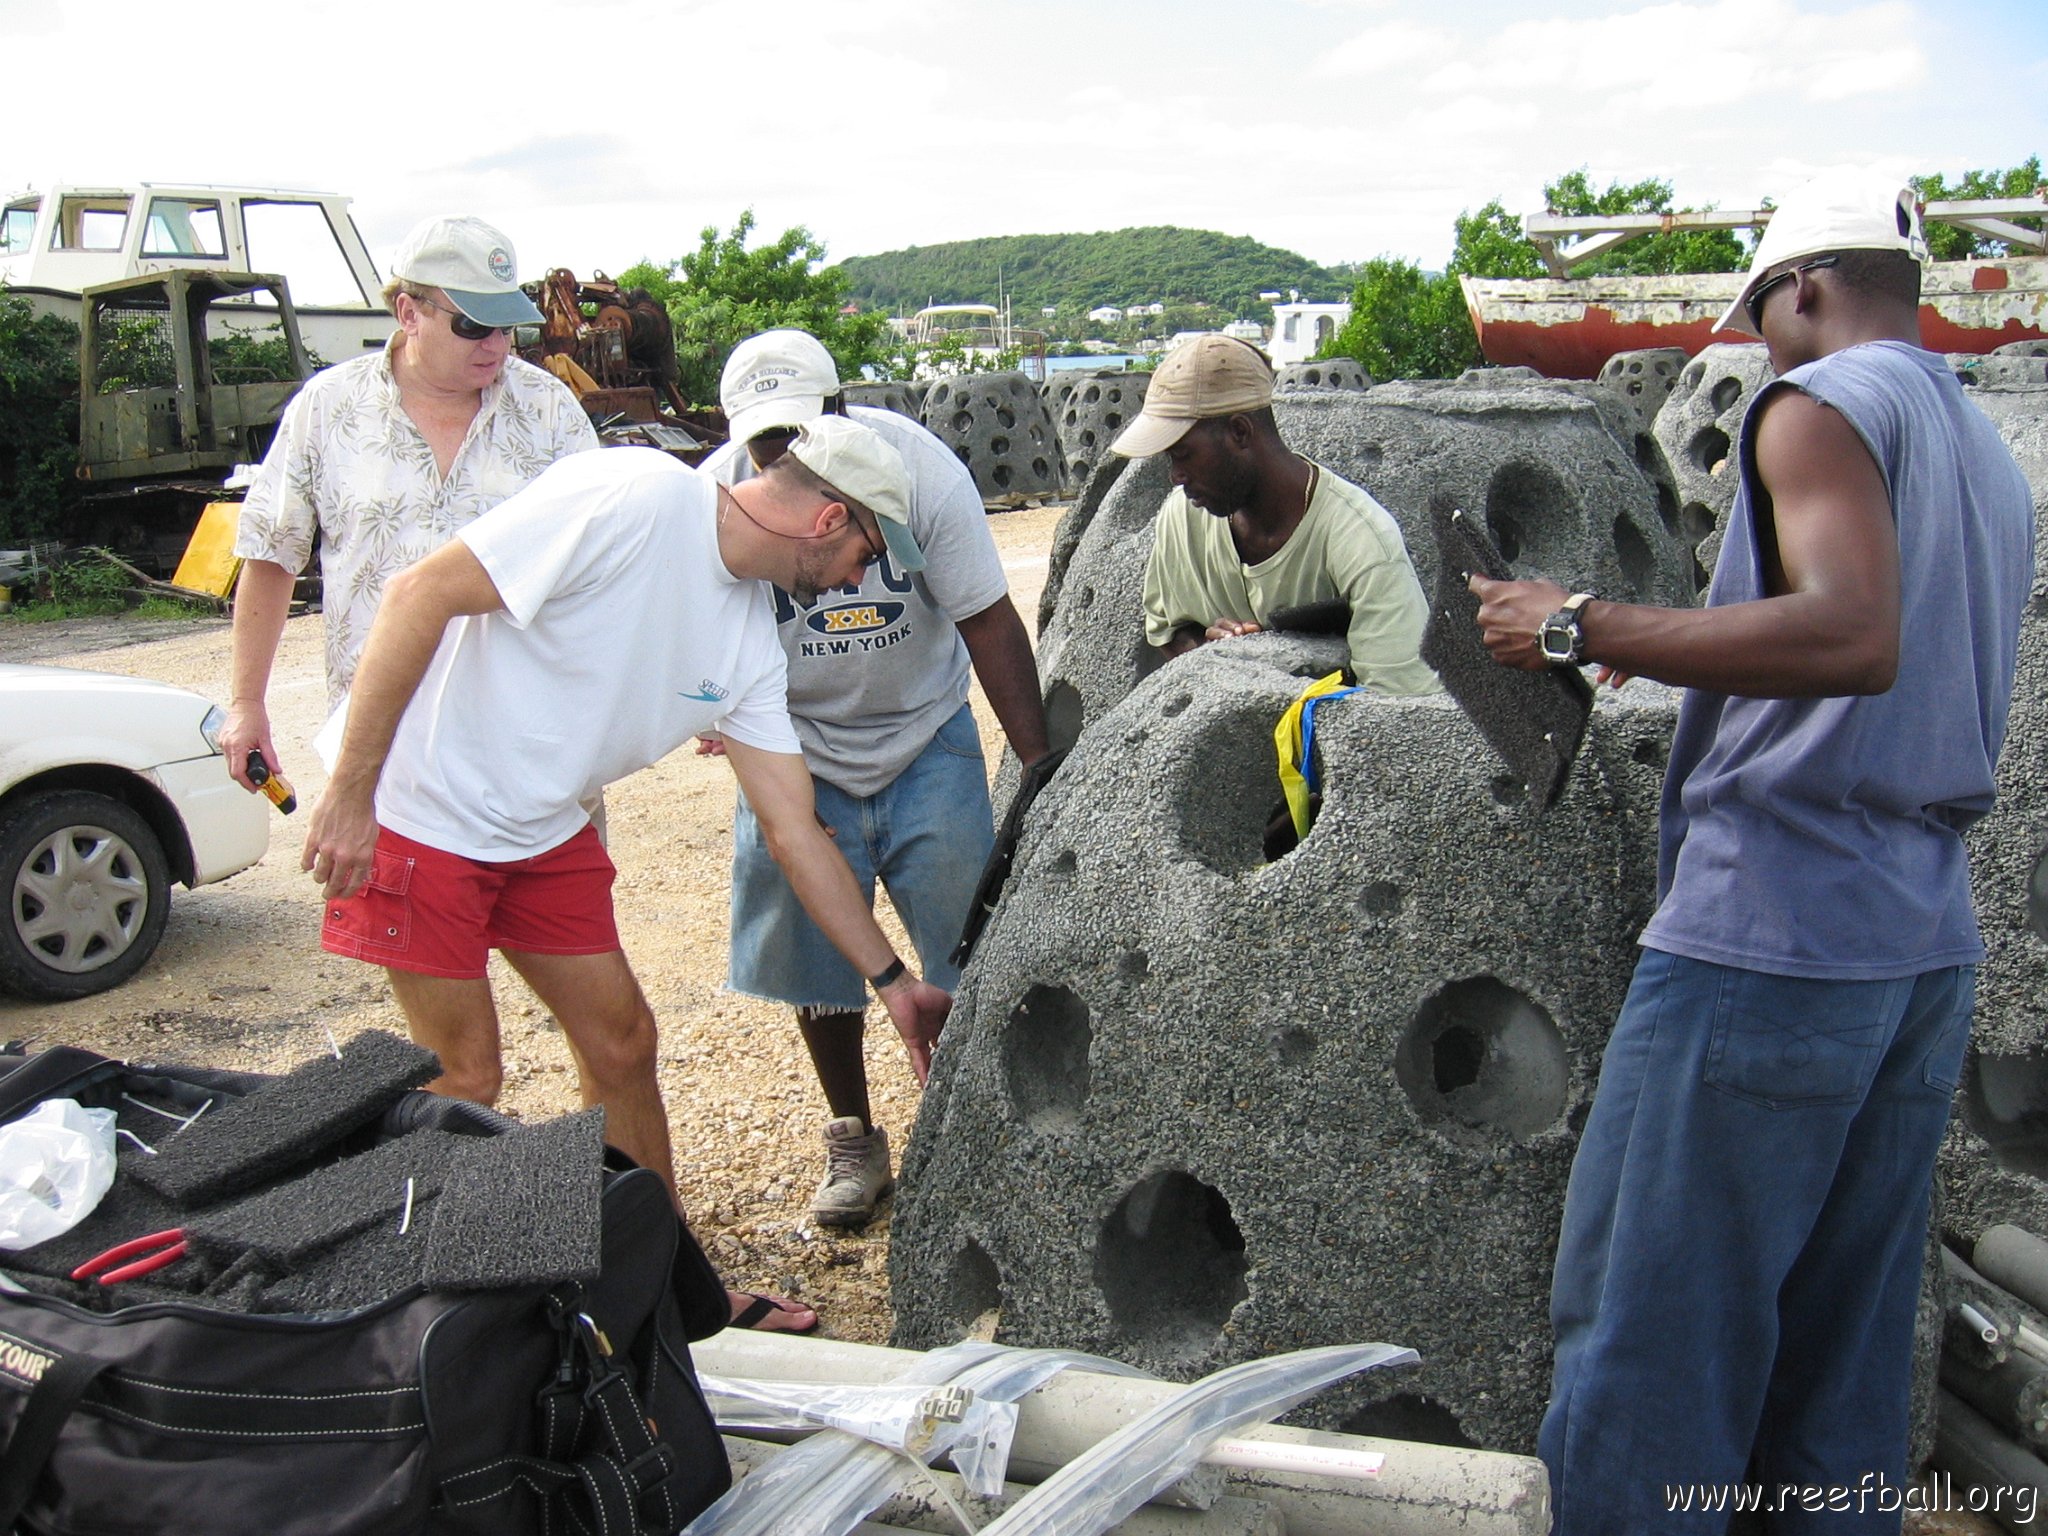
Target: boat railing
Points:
x,y
1596,234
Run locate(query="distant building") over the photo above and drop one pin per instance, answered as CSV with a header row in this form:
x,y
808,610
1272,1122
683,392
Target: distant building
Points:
x,y
1108,314
1049,311
1246,330
1180,336
1146,309
1300,330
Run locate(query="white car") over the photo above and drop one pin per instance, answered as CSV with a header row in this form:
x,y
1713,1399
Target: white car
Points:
x,y
110,789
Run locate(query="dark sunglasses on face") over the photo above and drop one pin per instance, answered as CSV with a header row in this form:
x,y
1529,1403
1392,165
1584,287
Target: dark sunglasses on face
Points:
x,y
463,326
1755,302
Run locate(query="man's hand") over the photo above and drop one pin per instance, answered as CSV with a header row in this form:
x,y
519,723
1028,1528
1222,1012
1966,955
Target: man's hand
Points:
x,y
920,1010
247,730
340,840
1228,629
1510,615
710,744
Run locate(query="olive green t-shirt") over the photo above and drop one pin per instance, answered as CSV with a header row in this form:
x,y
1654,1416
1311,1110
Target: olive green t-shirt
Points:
x,y
1347,546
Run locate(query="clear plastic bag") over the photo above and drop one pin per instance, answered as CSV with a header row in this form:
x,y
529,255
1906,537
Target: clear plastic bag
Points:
x,y
56,1162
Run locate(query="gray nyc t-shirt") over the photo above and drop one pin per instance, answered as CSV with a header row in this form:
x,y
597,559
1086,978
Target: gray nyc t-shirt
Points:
x,y
875,670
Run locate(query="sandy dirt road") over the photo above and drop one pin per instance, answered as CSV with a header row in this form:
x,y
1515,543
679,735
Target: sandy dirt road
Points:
x,y
240,979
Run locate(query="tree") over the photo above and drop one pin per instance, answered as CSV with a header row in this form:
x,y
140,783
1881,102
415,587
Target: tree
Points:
x,y
38,421
1945,242
1491,243
721,293
1406,323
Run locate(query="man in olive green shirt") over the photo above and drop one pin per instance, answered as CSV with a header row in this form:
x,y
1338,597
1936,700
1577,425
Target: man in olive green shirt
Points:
x,y
1252,527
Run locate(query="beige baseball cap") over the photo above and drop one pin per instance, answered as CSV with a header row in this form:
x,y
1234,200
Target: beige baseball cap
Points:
x,y
470,261
855,462
1840,210
1212,375
776,379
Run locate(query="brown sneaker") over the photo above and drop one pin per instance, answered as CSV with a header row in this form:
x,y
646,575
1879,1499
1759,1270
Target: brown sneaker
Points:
x,y
856,1174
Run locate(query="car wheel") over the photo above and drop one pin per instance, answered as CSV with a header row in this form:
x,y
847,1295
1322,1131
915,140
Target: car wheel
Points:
x,y
87,891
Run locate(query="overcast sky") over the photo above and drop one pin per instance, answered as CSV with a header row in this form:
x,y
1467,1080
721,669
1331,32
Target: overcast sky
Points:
x,y
611,130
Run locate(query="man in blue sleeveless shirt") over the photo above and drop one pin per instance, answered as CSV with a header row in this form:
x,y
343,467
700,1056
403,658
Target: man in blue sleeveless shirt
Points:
x,y
1744,1229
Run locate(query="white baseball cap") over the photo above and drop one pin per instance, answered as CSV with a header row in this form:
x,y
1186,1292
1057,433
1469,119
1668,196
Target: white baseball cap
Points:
x,y
855,462
1840,210
471,262
776,379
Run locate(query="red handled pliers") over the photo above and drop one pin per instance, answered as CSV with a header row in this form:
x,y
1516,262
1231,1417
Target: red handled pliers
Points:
x,y
135,1258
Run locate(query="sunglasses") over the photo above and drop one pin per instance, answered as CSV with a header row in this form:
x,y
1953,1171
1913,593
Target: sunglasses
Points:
x,y
1755,302
463,326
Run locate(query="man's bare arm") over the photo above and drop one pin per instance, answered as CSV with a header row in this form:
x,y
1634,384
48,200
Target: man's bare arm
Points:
x,y
1000,650
263,597
1829,625
778,788
417,605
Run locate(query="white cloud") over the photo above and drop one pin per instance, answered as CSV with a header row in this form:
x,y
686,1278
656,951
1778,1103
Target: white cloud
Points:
x,y
1383,49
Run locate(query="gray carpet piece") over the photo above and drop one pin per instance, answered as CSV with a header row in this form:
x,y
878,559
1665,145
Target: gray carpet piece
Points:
x,y
522,1208
247,1141
284,1226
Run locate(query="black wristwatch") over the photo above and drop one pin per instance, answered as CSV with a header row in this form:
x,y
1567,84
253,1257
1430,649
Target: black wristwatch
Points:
x,y
1560,639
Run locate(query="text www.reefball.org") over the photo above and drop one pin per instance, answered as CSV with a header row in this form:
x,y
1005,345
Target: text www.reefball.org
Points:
x,y
1873,1494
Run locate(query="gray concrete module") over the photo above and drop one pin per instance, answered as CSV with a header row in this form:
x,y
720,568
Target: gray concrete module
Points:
x,y
1089,408
1545,466
1643,379
1192,1109
1325,373
1698,427
899,395
997,423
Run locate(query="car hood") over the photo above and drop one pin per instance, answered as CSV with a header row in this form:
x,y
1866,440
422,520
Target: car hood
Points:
x,y
55,715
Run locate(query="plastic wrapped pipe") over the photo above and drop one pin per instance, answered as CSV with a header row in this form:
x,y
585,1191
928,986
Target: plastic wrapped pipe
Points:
x,y
828,1484
905,1419
1100,1487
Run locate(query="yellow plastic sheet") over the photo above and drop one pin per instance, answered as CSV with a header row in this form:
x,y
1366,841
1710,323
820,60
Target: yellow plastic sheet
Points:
x,y
210,563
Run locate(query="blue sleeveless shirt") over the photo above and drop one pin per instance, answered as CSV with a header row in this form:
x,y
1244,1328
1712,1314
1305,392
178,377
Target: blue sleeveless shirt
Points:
x,y
1821,837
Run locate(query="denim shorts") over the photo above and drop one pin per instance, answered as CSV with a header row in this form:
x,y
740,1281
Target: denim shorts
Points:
x,y
926,835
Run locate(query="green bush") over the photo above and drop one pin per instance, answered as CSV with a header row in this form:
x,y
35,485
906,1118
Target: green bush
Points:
x,y
38,422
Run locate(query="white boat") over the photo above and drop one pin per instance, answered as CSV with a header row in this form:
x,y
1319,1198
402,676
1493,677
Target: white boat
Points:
x,y
977,336
57,242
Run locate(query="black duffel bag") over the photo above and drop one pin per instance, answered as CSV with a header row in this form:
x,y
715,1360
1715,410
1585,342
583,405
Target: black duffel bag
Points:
x,y
546,1409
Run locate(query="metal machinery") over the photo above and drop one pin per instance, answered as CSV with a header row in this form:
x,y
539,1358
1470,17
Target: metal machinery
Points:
x,y
616,350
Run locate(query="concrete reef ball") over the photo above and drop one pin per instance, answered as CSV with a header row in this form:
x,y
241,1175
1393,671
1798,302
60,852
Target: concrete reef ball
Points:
x,y
997,424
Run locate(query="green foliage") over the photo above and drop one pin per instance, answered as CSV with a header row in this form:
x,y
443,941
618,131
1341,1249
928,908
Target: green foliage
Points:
x,y
1945,242
38,421
721,293
1491,243
1082,272
1407,324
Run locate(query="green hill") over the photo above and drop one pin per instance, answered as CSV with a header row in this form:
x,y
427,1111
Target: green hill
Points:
x,y
1122,267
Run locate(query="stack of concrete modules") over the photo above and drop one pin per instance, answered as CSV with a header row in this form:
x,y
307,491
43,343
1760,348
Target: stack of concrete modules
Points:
x,y
1193,1108
997,423
898,395
1089,408
1330,373
1994,1165
1540,464
1698,428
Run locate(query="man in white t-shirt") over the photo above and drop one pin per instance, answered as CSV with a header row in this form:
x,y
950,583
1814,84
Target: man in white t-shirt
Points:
x,y
878,677
580,631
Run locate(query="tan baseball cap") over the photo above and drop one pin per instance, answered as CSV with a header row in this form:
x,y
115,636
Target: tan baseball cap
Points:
x,y
857,463
1213,375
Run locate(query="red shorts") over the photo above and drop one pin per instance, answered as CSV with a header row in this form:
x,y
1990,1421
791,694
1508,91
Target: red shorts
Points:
x,y
441,914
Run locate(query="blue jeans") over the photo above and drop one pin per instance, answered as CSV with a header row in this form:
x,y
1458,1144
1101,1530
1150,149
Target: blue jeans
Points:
x,y
1742,1242
926,836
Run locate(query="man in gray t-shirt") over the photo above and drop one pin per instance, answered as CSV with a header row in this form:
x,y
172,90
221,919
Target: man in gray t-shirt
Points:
x,y
878,681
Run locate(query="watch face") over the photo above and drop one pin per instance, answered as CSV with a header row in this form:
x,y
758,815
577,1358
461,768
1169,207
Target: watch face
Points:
x,y
1558,640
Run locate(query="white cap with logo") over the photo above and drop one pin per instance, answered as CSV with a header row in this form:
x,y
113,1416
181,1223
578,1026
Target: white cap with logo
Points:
x,y
471,262
856,462
776,379
1839,210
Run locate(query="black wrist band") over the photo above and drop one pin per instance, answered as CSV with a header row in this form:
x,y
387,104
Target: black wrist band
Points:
x,y
888,976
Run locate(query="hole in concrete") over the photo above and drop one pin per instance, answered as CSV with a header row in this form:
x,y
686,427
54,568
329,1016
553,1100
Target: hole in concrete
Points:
x,y
1064,862
1086,600
1480,1055
2037,895
999,445
2005,1101
1064,715
1088,438
1667,506
1223,801
1115,397
1045,1058
1696,519
1692,376
1000,473
1649,752
1371,453
1530,507
1708,448
1092,394
1506,789
974,1292
1170,1264
1007,417
1409,1416
1176,704
1112,419
1312,376
963,421
1726,393
1072,418
1041,469
1293,1045
1646,450
1638,560
1134,964
1381,898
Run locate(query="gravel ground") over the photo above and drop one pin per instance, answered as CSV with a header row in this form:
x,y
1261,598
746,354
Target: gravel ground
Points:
x,y
241,980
